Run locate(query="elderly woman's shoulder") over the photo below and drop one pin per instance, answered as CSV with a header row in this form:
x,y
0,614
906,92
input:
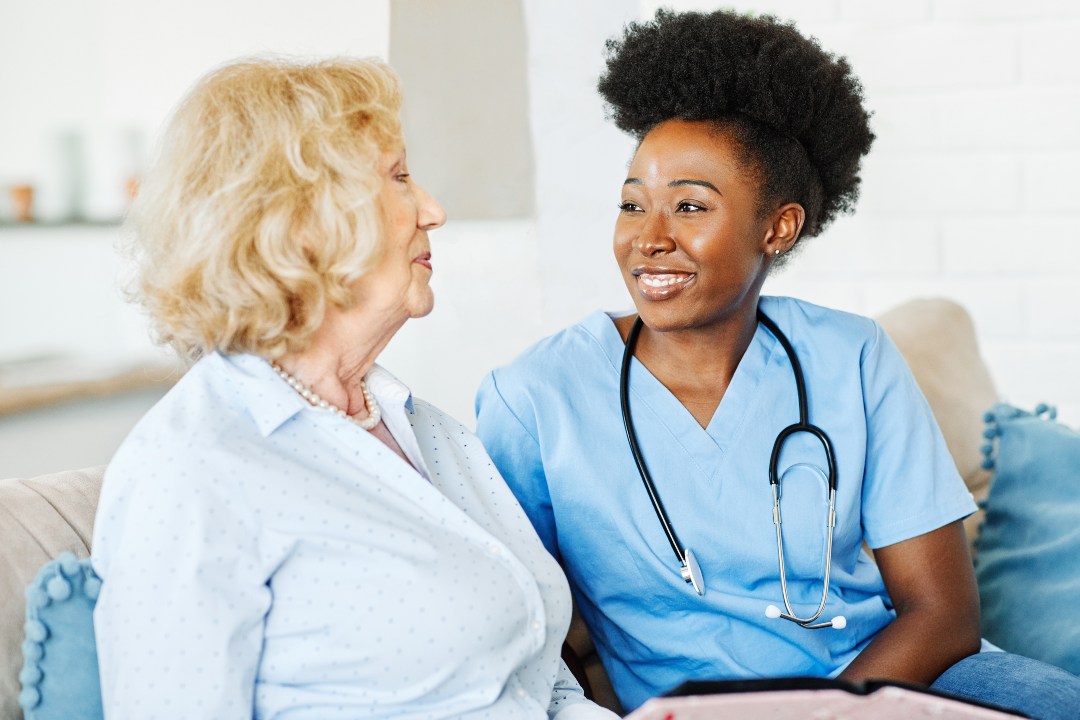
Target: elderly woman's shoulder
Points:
x,y
213,390
204,411
431,415
436,431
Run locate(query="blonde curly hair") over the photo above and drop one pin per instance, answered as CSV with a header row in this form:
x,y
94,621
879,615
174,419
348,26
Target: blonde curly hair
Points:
x,y
261,207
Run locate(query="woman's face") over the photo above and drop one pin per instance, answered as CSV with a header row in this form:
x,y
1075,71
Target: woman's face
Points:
x,y
399,283
690,239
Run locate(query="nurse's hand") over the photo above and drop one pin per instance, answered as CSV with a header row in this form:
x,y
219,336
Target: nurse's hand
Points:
x,y
931,581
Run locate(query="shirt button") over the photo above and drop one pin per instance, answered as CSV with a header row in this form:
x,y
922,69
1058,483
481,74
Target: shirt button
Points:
x,y
521,693
536,625
494,550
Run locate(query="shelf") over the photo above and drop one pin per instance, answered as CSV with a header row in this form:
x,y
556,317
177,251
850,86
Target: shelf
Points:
x,y
18,398
59,224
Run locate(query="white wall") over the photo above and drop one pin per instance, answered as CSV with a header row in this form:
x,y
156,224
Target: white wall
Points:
x,y
969,193
501,286
972,190
60,294
108,72
111,70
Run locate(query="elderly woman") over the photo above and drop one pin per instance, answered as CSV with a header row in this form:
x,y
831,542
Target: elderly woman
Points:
x,y
656,450
289,533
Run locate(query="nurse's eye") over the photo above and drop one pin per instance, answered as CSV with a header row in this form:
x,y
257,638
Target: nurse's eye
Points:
x,y
690,207
402,177
629,207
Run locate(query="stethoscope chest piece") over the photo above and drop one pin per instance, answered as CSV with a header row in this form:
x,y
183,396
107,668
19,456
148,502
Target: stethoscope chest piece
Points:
x,y
691,571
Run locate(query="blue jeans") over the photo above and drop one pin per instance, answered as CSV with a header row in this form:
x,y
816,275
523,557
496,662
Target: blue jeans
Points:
x,y
1034,688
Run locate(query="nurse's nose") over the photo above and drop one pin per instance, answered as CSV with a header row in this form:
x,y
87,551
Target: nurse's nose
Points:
x,y
656,235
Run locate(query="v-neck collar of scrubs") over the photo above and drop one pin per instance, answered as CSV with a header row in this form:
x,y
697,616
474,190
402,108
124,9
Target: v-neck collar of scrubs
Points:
x,y
648,394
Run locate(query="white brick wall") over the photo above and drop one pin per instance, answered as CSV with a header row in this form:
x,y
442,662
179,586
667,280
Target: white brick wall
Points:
x,y
995,10
972,190
1048,48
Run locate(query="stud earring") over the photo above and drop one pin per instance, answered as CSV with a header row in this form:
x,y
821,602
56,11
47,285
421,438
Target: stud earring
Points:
x,y
776,252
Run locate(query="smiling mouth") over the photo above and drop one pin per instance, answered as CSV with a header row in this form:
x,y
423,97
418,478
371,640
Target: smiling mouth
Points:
x,y
661,280
657,284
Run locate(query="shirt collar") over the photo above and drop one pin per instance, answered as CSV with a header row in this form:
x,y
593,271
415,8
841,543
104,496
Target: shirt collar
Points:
x,y
388,390
271,401
268,398
395,400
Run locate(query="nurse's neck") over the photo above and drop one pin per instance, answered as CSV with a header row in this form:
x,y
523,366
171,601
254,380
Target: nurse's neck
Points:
x,y
694,363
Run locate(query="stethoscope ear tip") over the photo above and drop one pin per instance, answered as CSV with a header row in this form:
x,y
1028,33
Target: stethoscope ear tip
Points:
x,y
839,622
772,612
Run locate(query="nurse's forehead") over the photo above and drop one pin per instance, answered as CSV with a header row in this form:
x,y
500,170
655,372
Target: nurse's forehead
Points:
x,y
692,164
677,182
684,154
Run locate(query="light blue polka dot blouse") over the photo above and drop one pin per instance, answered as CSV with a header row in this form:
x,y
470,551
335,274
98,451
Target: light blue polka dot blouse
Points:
x,y
264,558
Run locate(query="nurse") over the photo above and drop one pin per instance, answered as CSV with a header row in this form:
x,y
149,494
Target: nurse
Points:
x,y
750,141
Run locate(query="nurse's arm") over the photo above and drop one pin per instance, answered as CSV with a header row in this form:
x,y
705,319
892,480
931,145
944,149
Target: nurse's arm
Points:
x,y
932,585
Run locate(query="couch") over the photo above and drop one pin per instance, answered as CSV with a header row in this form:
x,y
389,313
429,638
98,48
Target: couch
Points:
x,y
44,516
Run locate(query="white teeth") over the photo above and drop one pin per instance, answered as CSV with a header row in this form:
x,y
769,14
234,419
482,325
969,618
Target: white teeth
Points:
x,y
663,280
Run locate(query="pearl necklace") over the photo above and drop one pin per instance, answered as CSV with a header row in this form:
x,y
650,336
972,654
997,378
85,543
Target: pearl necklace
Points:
x,y
367,423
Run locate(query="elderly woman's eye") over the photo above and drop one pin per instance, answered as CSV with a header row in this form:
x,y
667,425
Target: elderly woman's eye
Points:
x,y
402,177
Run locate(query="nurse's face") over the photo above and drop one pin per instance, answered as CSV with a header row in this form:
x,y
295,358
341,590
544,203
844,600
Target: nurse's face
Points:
x,y
690,240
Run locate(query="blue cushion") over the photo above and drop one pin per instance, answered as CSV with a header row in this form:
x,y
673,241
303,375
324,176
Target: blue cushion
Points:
x,y
60,668
1028,552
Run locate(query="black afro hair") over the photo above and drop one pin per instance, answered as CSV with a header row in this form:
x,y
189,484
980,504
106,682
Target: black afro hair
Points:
x,y
795,110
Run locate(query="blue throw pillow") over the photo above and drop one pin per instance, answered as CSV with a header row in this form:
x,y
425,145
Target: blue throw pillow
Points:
x,y
60,668
1027,558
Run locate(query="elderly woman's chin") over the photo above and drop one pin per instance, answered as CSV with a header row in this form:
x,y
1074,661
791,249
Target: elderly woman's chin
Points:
x,y
378,299
422,299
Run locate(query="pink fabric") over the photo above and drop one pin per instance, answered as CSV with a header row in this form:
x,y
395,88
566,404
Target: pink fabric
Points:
x,y
889,703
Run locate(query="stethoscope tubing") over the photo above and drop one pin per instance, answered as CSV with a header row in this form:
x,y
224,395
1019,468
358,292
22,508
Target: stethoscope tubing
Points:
x,y
690,571
631,439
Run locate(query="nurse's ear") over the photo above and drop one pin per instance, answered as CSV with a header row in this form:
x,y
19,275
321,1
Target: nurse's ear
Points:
x,y
783,228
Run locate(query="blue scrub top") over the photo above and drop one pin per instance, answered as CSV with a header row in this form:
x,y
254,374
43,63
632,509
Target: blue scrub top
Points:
x,y
551,422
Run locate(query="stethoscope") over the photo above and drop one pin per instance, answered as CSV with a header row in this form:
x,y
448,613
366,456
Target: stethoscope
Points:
x,y
690,569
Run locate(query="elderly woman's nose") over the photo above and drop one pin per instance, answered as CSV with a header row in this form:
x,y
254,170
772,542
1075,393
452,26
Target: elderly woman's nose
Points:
x,y
431,214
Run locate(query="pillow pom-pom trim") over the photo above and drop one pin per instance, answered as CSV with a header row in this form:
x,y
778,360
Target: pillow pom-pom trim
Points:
x,y
32,650
92,587
36,597
992,432
35,630
58,588
30,675
69,564
29,698
57,582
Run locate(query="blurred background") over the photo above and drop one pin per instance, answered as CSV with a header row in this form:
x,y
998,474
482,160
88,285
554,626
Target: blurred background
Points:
x,y
971,191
